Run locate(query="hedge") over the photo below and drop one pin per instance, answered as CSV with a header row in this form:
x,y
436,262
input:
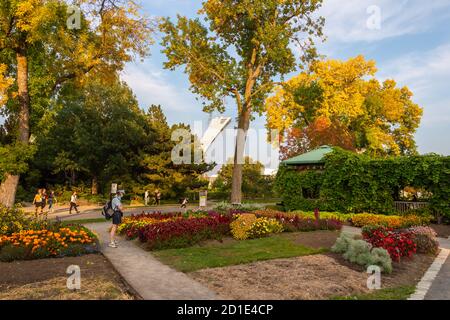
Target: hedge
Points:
x,y
358,183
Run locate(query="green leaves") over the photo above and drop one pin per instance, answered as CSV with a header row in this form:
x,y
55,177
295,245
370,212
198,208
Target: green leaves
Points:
x,y
246,44
14,158
357,183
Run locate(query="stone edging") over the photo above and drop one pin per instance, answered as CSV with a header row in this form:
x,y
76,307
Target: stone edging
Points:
x,y
425,284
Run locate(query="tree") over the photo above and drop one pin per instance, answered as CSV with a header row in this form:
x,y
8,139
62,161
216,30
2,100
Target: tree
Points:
x,y
247,45
341,103
254,183
159,171
36,44
99,133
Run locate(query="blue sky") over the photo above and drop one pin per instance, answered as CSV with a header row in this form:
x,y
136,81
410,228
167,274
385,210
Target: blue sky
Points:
x,y
412,46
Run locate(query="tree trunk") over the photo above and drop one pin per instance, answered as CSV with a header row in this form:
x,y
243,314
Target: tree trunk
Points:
x,y
243,125
94,190
8,188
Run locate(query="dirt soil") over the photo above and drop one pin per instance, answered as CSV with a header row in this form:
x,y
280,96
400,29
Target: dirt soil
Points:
x,y
314,277
442,230
317,239
47,279
301,278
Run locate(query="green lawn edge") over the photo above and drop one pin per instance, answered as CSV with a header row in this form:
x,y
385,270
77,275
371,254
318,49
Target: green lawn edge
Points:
x,y
235,253
398,293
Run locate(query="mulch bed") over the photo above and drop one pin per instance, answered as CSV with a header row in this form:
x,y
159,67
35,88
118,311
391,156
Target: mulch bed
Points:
x,y
302,278
317,239
313,277
95,268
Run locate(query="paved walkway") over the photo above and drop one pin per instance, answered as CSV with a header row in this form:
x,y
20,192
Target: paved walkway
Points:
x,y
440,288
151,279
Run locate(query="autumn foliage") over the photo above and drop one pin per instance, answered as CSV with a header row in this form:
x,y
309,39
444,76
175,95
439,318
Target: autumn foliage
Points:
x,y
341,103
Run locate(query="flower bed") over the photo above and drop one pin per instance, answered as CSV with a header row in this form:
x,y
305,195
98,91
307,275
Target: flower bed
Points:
x,y
394,222
181,233
398,243
343,217
12,220
248,226
425,240
131,225
47,242
293,222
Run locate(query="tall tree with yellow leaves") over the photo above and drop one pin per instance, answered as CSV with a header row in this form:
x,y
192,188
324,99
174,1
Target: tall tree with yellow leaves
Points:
x,y
245,46
342,103
71,40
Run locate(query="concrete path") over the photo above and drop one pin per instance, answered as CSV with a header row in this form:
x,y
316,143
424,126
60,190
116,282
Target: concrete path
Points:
x,y
440,288
151,279
94,214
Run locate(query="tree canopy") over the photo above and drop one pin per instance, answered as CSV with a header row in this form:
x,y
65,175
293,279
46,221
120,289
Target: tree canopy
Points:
x,y
341,103
246,44
39,52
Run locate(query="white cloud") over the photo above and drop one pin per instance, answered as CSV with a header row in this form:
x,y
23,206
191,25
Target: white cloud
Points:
x,y
427,74
152,87
346,21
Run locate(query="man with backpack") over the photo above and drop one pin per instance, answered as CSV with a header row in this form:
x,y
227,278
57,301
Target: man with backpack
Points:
x,y
117,214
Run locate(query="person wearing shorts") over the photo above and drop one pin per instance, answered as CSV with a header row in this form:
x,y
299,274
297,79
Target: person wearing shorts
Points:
x,y
37,201
116,204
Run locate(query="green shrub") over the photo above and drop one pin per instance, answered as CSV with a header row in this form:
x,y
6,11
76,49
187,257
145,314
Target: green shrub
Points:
x,y
358,183
342,243
380,257
361,253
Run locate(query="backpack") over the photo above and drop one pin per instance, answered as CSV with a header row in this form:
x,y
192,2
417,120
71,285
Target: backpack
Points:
x,y
107,210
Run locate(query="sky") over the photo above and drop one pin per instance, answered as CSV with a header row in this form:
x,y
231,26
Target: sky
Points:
x,y
408,39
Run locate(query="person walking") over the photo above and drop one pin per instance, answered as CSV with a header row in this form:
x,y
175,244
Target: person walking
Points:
x,y
157,197
51,201
44,199
37,201
184,203
73,202
146,197
116,204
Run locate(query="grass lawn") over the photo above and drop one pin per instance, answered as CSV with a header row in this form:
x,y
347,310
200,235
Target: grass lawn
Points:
x,y
233,252
399,293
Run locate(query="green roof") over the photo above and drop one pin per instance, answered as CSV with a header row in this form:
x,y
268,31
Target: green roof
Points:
x,y
312,157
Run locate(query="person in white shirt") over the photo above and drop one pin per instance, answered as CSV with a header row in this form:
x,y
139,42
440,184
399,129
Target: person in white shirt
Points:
x,y
73,203
146,197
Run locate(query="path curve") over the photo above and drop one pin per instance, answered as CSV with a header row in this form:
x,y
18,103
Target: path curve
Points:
x,y
151,279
